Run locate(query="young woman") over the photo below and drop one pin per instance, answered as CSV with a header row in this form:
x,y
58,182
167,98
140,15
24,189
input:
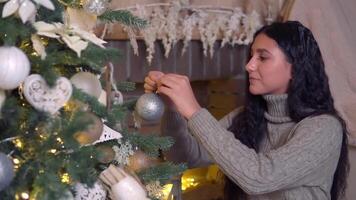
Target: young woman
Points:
x,y
287,142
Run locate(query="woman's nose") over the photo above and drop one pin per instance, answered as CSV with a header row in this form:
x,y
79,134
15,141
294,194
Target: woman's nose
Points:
x,y
251,65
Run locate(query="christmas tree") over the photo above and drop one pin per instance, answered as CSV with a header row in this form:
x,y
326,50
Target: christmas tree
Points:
x,y
58,139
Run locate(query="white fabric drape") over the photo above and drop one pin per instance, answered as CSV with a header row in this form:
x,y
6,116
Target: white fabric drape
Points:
x,y
332,23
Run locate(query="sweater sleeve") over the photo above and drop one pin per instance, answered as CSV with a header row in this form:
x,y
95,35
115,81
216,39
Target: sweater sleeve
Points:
x,y
315,142
186,148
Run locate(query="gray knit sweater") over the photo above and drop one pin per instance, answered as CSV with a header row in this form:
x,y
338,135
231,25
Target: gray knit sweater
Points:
x,y
297,161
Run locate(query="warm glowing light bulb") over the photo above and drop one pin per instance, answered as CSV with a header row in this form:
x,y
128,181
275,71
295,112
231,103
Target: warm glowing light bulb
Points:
x,y
65,178
59,140
53,151
25,195
18,143
16,161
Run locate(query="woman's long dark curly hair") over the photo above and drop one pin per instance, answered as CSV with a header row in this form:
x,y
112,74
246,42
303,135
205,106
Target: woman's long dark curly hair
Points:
x,y
308,95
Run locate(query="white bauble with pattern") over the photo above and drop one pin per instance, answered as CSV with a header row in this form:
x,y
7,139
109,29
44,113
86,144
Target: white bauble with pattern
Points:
x,y
45,98
14,67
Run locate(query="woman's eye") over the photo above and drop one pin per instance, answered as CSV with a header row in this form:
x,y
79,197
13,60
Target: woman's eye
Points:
x,y
262,58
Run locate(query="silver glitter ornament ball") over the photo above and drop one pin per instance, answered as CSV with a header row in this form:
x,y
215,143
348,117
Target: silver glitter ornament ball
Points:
x,y
6,171
150,107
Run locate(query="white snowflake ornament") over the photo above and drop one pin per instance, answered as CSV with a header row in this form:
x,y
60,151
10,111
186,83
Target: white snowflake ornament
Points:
x,y
123,152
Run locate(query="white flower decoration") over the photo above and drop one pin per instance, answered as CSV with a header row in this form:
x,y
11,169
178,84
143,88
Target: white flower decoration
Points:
x,y
26,8
74,37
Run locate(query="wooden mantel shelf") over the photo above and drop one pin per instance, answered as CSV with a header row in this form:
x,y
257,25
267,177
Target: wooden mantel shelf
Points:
x,y
116,32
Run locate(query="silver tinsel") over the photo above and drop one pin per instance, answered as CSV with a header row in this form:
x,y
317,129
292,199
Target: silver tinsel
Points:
x,y
6,171
96,7
150,107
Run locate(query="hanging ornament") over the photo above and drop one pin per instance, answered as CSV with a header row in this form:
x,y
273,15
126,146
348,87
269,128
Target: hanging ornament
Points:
x,y
14,67
150,107
96,7
140,160
106,154
93,131
122,152
43,98
97,192
123,186
6,171
117,98
108,134
87,82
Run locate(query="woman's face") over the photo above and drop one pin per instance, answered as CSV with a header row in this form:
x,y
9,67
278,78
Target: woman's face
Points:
x,y
268,69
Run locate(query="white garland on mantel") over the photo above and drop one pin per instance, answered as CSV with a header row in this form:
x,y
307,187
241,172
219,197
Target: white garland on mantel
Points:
x,y
170,22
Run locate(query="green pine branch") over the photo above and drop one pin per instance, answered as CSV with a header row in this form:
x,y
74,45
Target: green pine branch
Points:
x,y
123,16
150,144
162,172
125,86
96,107
93,56
72,3
46,15
13,31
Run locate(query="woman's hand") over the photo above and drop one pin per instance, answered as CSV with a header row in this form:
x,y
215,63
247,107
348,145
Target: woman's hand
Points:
x,y
150,85
151,80
178,89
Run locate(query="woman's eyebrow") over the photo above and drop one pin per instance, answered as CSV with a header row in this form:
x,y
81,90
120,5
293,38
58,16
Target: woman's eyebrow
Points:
x,y
262,51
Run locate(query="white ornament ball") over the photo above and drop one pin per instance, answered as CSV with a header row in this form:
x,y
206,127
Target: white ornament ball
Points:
x,y
128,189
6,171
87,82
96,7
150,107
14,67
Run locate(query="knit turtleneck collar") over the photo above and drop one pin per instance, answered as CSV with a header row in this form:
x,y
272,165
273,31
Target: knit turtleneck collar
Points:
x,y
277,108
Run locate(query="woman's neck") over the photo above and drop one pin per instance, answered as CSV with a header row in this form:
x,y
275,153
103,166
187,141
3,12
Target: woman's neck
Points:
x,y
277,108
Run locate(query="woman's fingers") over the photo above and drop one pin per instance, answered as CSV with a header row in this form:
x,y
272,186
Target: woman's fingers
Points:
x,y
168,81
166,91
150,81
155,75
149,88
